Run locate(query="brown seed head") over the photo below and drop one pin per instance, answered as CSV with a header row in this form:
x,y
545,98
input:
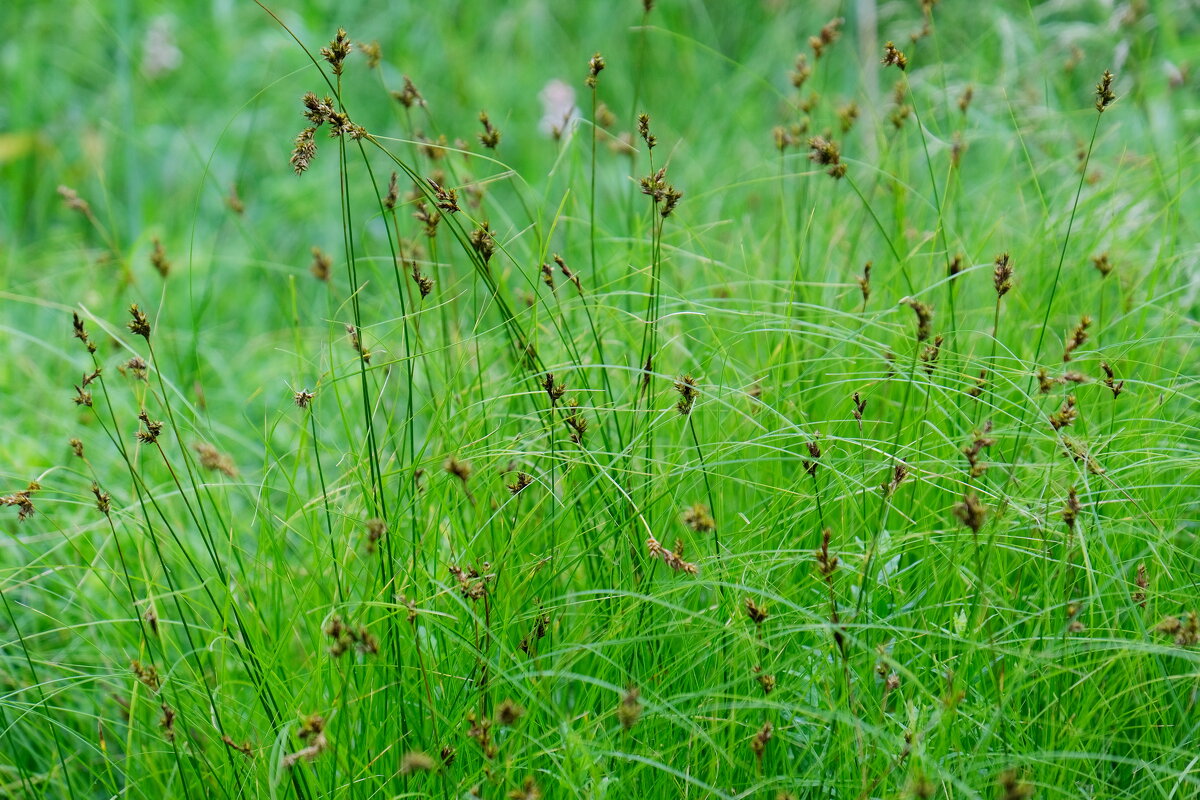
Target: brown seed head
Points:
x,y
523,481
139,325
408,96
801,72
686,386
864,282
672,558
373,53
459,469
757,614
1104,93
568,273
1066,414
892,57
595,65
321,264
860,405
1071,509
827,564
899,473
244,748
929,355
975,449
73,201
393,193
924,313
698,518
629,709
416,761
826,153
304,150
490,137
964,100
22,501
1142,581
424,283
508,712
158,259
529,791
81,332
643,123
483,242
213,459
554,391
337,51
1076,337
1114,386
829,34
1013,786
847,115
1002,275
971,512
376,528
814,450
147,674
153,428
758,744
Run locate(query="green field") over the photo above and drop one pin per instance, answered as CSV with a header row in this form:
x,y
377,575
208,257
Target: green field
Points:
x,y
456,431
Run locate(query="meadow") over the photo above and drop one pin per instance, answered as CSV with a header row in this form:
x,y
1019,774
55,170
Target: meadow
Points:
x,y
632,399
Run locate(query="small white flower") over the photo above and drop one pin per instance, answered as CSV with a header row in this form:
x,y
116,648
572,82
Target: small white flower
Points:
x,y
559,112
160,54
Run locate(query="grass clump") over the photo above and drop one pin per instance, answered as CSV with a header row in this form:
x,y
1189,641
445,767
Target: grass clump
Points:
x,y
618,451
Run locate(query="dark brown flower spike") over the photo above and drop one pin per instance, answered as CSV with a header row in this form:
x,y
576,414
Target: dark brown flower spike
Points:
x,y
490,137
1114,386
1076,337
826,153
643,123
1066,414
892,57
686,386
1071,510
373,52
829,34
924,313
158,259
139,324
153,428
321,264
630,709
595,65
408,96
801,72
337,51
672,558
698,519
304,150
1104,92
971,512
22,501
1002,275
81,333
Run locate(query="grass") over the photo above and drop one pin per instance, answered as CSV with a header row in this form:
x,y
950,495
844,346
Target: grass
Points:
x,y
627,504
